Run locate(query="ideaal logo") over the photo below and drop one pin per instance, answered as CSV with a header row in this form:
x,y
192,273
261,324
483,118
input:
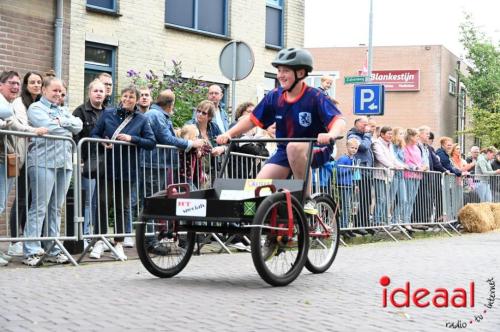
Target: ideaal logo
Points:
x,y
439,298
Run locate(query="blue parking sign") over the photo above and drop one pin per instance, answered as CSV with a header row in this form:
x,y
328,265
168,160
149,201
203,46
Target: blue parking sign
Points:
x,y
369,99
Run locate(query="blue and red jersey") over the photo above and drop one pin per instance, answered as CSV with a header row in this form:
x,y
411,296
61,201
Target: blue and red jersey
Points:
x,y
308,115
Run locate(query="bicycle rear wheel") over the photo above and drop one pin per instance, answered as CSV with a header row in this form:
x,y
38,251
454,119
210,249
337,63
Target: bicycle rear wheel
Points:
x,y
278,258
163,251
323,236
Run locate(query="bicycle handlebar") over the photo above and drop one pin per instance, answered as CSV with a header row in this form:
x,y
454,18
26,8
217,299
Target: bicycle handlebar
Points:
x,y
277,140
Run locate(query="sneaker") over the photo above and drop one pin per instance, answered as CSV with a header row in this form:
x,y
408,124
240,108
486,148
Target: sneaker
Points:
x,y
31,260
5,257
239,245
129,242
3,262
97,250
15,249
40,252
119,250
58,259
310,207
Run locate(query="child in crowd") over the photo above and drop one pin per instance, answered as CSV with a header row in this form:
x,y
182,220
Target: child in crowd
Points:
x,y
190,170
345,182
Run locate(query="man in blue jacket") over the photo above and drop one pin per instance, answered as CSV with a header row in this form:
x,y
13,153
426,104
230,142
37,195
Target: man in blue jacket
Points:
x,y
163,161
220,117
362,133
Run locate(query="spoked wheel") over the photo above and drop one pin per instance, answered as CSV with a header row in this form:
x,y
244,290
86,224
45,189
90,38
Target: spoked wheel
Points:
x,y
323,236
163,251
278,258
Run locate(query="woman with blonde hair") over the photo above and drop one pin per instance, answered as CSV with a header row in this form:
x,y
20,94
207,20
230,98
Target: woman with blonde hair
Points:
x,y
458,162
398,188
413,158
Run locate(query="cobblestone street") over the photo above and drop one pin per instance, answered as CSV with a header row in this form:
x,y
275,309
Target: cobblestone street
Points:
x,y
224,292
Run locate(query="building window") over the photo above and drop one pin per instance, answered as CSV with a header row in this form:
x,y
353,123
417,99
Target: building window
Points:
x,y
452,85
99,58
270,82
102,5
314,80
274,23
205,16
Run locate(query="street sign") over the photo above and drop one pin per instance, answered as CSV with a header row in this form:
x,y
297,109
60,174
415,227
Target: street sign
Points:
x,y
236,60
369,99
355,79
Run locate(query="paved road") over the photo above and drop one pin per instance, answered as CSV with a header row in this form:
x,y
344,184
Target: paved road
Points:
x,y
224,293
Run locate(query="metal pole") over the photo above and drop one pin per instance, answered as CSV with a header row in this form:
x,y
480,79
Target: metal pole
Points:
x,y
459,112
233,83
58,39
370,46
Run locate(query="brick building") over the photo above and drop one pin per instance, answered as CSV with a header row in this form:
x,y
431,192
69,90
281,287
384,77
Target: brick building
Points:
x,y
27,35
431,99
148,35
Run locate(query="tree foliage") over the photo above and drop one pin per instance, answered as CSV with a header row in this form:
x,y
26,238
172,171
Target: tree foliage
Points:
x,y
482,83
189,92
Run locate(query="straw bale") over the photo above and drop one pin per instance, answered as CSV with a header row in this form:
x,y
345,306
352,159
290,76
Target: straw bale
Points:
x,y
495,208
477,217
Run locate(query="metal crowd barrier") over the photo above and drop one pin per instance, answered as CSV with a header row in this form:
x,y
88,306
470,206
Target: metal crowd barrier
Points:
x,y
27,190
122,175
108,186
387,199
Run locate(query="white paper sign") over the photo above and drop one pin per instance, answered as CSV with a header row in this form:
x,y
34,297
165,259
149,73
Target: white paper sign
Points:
x,y
235,195
191,207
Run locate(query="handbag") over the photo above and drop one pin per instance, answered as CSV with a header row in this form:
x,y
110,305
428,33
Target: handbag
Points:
x,y
13,163
94,165
256,149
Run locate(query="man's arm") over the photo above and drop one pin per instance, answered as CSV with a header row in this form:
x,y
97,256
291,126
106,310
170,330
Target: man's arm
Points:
x,y
336,130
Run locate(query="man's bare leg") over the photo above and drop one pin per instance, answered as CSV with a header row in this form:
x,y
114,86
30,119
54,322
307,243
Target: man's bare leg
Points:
x,y
297,158
273,171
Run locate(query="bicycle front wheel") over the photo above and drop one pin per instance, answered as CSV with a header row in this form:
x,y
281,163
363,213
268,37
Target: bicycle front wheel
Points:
x,y
278,258
323,236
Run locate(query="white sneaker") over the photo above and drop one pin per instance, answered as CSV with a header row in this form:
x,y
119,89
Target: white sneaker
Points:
x,y
15,249
310,207
105,248
97,250
119,250
58,259
5,257
239,246
40,252
31,260
3,262
129,242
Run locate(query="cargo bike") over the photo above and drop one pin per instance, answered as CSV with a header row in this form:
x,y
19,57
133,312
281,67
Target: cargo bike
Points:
x,y
270,212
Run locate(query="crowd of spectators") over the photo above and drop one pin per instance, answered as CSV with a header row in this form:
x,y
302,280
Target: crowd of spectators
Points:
x,y
388,175
394,177
118,170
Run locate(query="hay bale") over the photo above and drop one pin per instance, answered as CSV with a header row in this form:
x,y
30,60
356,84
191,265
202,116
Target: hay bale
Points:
x,y
477,218
495,208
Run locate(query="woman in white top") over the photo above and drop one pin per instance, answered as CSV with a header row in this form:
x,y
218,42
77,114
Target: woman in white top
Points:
x,y
31,91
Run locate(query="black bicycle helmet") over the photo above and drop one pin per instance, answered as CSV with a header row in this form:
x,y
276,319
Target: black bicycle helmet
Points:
x,y
295,58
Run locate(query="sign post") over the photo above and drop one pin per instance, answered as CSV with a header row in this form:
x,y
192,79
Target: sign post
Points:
x,y
369,99
236,62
